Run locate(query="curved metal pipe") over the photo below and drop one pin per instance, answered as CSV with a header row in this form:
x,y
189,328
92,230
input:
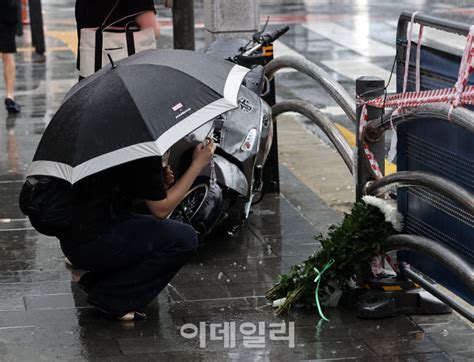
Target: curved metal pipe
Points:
x,y
323,122
424,179
459,116
435,250
430,287
303,65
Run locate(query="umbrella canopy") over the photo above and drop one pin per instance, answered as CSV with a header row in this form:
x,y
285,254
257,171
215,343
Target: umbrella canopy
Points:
x,y
137,109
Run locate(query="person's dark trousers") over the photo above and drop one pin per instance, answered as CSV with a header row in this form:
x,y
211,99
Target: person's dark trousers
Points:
x,y
132,261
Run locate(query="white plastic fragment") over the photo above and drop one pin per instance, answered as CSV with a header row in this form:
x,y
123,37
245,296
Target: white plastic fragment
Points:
x,y
279,302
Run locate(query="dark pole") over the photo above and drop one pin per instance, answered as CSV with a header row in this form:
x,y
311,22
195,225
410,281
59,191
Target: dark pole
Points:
x,y
19,26
271,171
183,24
368,88
36,24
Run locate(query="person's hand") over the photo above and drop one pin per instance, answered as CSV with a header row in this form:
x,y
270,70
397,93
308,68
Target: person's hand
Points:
x,y
168,176
148,20
203,154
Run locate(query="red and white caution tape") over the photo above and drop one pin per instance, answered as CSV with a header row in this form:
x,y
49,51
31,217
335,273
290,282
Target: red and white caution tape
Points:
x,y
413,99
364,118
374,165
461,94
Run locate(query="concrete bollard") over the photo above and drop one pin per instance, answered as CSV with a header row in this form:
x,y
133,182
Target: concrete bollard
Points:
x,y
231,18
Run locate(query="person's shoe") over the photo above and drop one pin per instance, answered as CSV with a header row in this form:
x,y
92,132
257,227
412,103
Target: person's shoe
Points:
x,y
12,106
133,317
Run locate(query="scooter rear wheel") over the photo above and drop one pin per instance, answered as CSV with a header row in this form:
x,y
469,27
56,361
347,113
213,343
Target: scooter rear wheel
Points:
x,y
202,208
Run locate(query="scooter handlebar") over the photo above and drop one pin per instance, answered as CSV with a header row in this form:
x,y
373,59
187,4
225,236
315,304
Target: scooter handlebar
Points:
x,y
274,35
263,39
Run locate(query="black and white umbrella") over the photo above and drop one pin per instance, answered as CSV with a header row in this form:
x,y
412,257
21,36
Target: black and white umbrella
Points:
x,y
137,109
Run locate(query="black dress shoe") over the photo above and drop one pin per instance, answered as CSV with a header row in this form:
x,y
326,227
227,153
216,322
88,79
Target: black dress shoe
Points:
x,y
12,106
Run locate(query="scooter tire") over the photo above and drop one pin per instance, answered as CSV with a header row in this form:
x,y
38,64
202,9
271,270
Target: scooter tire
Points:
x,y
209,211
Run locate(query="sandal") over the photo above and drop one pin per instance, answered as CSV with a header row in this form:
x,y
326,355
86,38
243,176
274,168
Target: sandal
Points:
x,y
133,317
127,317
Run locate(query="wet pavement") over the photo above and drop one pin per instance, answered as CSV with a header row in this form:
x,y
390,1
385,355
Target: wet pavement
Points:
x,y
43,315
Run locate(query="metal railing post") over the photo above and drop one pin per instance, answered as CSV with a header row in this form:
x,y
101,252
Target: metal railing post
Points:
x,y
183,24
36,24
367,88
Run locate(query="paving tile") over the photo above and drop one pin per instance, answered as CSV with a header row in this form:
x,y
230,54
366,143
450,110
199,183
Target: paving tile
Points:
x,y
180,293
265,276
235,249
454,341
287,228
44,317
50,264
413,344
56,301
204,266
301,250
10,277
467,356
335,330
441,357
58,348
209,307
132,346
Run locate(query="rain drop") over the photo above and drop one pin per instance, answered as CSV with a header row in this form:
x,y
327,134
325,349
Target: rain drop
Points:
x,y
220,275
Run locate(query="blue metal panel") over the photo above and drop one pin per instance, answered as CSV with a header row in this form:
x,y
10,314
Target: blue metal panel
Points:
x,y
441,148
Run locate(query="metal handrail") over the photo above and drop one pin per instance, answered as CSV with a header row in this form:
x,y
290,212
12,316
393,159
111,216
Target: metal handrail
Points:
x,y
430,21
303,65
441,254
323,122
442,185
430,287
435,250
460,116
